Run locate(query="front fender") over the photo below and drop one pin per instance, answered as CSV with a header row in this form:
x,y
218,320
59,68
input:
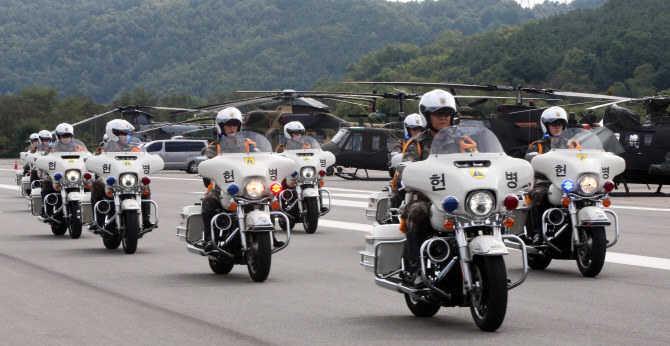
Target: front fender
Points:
x,y
73,196
130,204
310,192
487,245
592,216
258,220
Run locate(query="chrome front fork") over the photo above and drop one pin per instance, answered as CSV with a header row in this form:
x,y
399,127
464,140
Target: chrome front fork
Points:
x,y
464,254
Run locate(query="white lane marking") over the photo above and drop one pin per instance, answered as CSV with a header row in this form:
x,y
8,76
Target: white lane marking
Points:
x,y
611,257
9,169
638,208
349,190
351,204
9,187
155,177
345,225
350,195
640,261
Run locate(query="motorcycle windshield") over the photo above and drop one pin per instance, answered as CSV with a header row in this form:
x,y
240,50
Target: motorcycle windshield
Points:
x,y
578,138
131,144
72,146
244,142
460,139
303,142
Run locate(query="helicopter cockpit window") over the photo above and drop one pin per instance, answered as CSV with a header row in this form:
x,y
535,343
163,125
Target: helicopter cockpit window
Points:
x,y
647,139
375,142
355,143
319,138
340,137
390,143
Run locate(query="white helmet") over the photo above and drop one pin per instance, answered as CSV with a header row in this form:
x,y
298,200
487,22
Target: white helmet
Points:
x,y
552,114
63,129
412,121
44,134
226,115
436,100
105,138
116,126
34,136
293,126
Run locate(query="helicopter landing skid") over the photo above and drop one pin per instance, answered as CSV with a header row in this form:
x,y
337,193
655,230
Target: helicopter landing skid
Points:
x,y
656,193
354,176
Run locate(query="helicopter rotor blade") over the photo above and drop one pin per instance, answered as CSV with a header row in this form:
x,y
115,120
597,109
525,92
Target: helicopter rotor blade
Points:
x,y
171,109
587,95
95,117
443,85
219,106
173,124
611,104
568,105
347,102
478,102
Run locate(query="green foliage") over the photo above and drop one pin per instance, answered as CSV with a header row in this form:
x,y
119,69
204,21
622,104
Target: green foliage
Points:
x,y
106,48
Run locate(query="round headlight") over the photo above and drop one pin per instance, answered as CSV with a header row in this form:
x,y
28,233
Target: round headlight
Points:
x,y
254,188
480,203
72,175
128,180
588,184
307,172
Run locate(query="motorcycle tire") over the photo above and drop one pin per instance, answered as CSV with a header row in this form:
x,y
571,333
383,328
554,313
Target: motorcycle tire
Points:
x,y
75,222
489,306
591,256
111,243
536,262
421,309
61,228
259,257
132,231
311,220
282,223
221,268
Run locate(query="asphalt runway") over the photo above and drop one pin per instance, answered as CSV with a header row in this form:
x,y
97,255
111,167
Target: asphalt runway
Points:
x,y
56,290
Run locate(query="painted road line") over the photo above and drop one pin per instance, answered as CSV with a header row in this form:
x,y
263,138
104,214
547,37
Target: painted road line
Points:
x,y
9,187
349,190
638,208
351,204
350,195
611,257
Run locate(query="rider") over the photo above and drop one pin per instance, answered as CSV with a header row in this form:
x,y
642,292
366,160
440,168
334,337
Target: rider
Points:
x,y
34,141
414,124
105,138
554,121
294,132
118,131
44,143
439,108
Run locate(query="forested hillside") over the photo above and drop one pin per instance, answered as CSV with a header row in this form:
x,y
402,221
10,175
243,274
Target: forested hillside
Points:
x,y
623,45
99,48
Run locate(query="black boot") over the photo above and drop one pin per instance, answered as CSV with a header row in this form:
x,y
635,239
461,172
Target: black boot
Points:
x,y
207,217
146,215
277,243
536,213
414,242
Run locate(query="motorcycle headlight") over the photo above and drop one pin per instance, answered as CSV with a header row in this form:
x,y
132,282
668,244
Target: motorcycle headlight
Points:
x,y
128,180
72,175
588,184
307,172
480,203
254,188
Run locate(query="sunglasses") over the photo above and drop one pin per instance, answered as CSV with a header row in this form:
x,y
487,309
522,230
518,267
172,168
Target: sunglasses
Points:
x,y
66,135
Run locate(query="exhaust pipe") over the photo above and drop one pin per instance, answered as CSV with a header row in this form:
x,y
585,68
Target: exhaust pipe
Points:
x,y
396,287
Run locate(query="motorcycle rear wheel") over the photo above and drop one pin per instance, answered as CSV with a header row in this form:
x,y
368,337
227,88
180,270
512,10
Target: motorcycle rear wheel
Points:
x,y
536,262
421,309
75,222
221,268
311,219
61,228
112,243
132,230
259,256
591,255
489,305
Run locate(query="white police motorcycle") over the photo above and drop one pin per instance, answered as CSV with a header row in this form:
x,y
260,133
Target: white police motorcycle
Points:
x,y
62,209
302,200
574,228
127,176
474,188
242,234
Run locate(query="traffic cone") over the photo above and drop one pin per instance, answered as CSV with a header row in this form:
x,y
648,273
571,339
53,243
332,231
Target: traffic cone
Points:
x,y
16,165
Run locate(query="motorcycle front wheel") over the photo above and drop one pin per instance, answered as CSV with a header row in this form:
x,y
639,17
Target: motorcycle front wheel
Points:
x,y
132,231
75,222
488,305
311,219
421,309
591,255
259,256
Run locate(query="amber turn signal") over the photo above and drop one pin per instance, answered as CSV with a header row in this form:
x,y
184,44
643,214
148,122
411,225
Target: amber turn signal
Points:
x,y
449,225
145,192
321,183
88,186
109,193
293,183
606,202
57,187
274,205
232,206
565,202
509,223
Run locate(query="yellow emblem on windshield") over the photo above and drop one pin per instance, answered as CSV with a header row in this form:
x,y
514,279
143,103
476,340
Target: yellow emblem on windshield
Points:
x,y
127,163
306,158
72,161
582,157
477,173
249,160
